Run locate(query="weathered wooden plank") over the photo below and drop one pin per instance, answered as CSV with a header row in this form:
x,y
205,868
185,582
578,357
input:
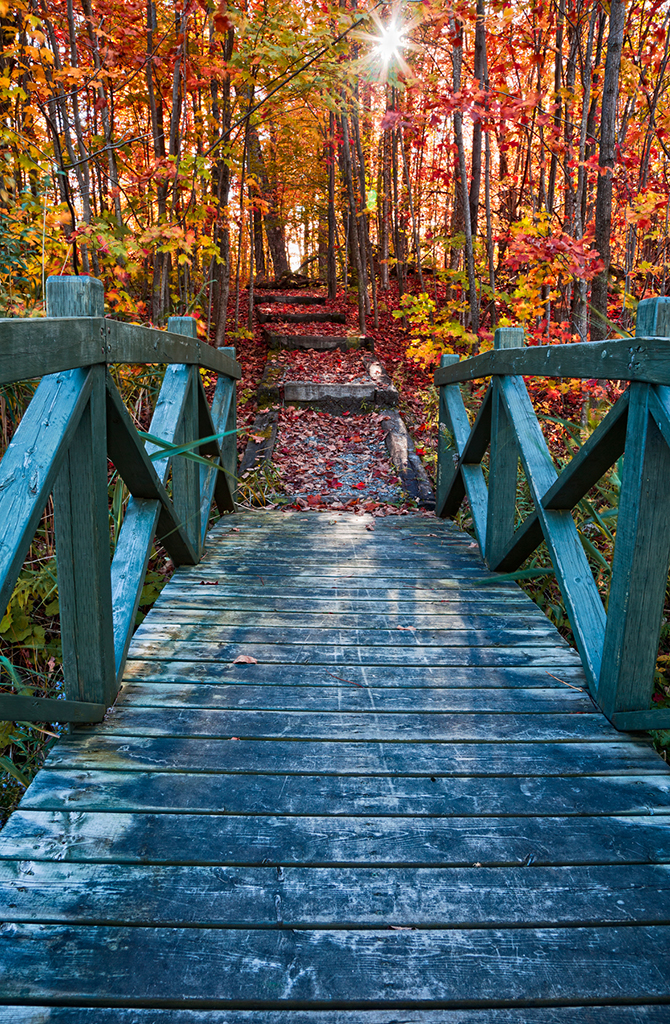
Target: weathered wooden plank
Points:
x,y
525,539
208,633
407,796
466,477
503,461
464,582
186,472
369,725
305,757
639,566
594,458
214,483
322,841
453,432
609,1014
127,452
34,347
302,318
344,696
82,546
292,300
390,677
129,569
580,594
440,616
318,342
337,561
31,464
304,968
657,718
489,834
645,359
192,593
130,343
15,708
170,896
465,653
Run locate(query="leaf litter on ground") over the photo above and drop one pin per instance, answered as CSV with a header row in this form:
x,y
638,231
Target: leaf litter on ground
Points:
x,y
337,462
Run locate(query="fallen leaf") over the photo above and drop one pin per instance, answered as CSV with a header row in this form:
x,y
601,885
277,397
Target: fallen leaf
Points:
x,y
209,583
343,680
245,659
370,527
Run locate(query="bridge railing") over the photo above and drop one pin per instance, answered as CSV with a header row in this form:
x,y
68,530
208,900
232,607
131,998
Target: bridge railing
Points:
x,y
75,423
619,647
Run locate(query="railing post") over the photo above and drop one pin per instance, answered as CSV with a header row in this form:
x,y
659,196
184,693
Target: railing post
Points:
x,y
186,472
641,550
445,453
229,443
503,462
82,522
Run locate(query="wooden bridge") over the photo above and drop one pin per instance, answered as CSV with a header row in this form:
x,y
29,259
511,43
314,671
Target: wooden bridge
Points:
x,y
351,775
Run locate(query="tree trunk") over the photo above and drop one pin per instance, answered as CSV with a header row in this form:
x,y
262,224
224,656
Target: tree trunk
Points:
x,y
580,285
220,288
274,229
259,252
354,238
480,75
603,226
457,58
332,266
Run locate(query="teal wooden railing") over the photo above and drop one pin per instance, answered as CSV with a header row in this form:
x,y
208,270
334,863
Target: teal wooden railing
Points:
x,y
619,647
75,422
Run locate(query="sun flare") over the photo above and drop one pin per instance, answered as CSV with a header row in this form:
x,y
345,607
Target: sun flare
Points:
x,y
390,42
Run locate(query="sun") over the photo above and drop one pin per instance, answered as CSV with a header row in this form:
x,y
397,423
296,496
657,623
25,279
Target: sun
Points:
x,y
390,42
386,43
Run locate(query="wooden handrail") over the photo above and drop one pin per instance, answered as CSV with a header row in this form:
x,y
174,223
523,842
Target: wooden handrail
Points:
x,y
75,422
618,649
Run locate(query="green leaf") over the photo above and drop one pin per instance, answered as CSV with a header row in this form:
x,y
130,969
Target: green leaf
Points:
x,y
522,574
8,766
170,449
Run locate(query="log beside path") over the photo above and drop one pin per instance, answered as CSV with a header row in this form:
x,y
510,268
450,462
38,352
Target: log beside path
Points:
x,y
348,780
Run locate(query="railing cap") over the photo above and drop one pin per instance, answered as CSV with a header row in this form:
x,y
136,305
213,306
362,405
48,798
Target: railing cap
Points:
x,y
653,318
509,337
75,296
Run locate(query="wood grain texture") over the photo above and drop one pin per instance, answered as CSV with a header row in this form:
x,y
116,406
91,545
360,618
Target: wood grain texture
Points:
x,y
244,897
31,464
569,674
15,708
159,791
167,838
645,359
407,803
301,968
608,1014
385,726
343,696
639,566
82,550
573,573
302,757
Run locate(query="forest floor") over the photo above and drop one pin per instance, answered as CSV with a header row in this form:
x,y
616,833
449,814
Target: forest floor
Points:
x,y
325,460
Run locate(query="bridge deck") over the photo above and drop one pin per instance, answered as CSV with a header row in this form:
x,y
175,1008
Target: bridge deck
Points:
x,y
406,808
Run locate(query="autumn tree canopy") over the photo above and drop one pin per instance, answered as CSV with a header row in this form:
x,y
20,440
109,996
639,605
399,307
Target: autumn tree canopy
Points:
x,y
180,150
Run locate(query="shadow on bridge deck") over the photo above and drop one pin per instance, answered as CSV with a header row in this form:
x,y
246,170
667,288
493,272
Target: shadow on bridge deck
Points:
x,y
402,806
